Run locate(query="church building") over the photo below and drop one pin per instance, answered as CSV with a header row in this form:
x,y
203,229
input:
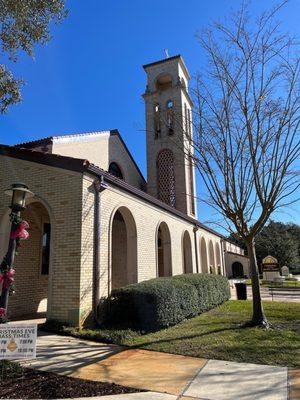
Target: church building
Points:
x,y
96,224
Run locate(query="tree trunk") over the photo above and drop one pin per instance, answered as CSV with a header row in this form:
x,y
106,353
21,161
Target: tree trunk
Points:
x,y
258,316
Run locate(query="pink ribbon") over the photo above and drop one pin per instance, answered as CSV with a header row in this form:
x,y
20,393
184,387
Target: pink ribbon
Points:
x,y
7,278
21,231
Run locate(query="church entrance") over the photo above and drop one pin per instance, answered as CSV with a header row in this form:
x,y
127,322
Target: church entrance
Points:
x,y
32,264
164,254
124,249
237,270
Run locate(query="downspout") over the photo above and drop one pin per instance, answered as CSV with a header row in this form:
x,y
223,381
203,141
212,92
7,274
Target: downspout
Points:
x,y
99,186
195,229
223,248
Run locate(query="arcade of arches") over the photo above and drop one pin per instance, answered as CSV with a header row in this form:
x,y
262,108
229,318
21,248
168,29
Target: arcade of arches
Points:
x,y
124,267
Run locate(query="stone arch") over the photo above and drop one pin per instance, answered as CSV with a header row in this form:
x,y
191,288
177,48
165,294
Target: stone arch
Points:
x,y
187,253
212,263
123,248
237,270
33,265
203,256
163,82
163,250
218,259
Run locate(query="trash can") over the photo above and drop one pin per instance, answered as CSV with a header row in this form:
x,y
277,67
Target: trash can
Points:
x,y
241,291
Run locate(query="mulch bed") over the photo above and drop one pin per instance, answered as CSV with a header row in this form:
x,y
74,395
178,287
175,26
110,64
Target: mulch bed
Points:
x,y
25,383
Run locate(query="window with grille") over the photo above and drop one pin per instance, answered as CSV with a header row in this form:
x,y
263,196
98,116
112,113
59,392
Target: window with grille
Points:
x,y
166,177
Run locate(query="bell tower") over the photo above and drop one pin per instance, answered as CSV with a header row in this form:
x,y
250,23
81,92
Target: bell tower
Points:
x,y
170,169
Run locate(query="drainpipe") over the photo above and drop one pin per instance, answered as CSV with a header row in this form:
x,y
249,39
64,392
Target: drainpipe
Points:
x,y
99,186
195,229
223,248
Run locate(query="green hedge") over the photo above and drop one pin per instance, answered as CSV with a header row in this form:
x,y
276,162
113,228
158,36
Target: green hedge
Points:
x,y
162,302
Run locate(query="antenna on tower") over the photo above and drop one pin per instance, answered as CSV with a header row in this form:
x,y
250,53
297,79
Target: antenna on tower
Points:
x,y
167,53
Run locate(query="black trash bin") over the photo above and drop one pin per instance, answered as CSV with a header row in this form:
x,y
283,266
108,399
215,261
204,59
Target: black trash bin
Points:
x,y
241,290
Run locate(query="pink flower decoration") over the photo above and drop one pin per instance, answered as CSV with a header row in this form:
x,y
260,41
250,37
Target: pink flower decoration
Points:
x,y
7,278
2,312
21,231
10,273
23,234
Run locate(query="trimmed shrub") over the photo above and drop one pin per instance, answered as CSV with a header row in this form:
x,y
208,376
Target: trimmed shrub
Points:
x,y
162,302
212,290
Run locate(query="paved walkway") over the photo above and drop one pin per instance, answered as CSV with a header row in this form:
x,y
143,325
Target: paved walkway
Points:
x,y
165,376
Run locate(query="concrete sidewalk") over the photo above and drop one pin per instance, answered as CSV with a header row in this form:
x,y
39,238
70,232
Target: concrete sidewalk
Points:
x,y
166,376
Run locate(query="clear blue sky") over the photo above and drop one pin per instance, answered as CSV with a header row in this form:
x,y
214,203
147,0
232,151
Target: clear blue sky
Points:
x,y
90,76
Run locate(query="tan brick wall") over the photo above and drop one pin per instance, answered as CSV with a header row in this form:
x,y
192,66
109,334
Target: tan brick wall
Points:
x,y
60,191
94,147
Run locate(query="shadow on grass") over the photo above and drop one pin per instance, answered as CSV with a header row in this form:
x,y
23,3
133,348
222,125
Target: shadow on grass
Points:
x,y
174,339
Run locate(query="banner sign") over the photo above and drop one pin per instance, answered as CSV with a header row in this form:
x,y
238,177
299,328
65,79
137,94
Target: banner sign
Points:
x,y
18,341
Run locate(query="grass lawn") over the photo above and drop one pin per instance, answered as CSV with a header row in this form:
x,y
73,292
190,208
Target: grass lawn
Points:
x,y
217,335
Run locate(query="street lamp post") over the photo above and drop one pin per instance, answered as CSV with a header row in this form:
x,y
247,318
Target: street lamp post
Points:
x,y
18,193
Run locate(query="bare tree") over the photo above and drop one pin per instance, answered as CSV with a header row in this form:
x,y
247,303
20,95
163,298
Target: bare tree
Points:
x,y
246,126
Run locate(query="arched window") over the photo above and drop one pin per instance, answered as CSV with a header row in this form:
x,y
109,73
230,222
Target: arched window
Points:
x,y
170,117
115,170
166,177
157,128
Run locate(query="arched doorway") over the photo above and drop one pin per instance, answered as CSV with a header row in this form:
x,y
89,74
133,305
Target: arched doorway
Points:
x,y
32,265
187,254
163,250
212,263
237,270
203,255
218,259
124,249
